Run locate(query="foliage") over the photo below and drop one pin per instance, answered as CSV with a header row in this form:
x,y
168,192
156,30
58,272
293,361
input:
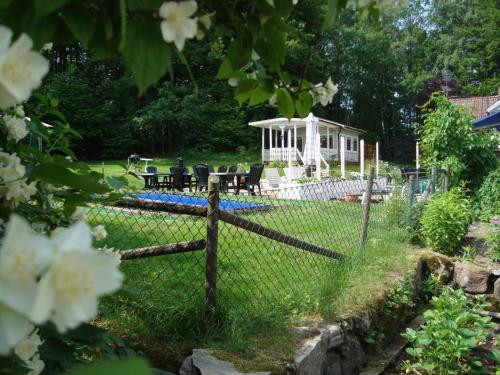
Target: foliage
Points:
x,y
448,140
493,241
415,220
392,171
452,328
432,286
397,209
446,220
278,164
469,253
401,296
488,195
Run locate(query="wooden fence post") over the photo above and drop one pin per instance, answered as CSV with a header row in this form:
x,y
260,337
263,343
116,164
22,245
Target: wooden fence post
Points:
x,y
366,208
411,197
433,179
447,178
211,256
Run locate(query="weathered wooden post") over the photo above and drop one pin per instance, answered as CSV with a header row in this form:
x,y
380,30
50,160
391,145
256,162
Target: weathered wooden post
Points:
x,y
447,178
433,179
366,208
211,256
411,196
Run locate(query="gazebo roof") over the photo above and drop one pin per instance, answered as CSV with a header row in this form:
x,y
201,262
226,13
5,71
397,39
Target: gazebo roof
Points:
x,y
299,122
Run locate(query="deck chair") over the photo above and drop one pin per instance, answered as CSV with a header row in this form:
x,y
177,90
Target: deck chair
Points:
x,y
253,179
202,173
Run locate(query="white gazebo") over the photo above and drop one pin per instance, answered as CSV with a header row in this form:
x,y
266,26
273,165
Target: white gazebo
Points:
x,y
311,141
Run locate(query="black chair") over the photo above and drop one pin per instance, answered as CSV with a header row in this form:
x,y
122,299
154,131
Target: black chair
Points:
x,y
151,182
202,173
179,182
222,169
210,168
253,179
172,170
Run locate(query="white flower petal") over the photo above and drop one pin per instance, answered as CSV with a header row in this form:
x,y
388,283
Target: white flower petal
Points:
x,y
44,300
13,327
168,31
77,237
188,8
167,9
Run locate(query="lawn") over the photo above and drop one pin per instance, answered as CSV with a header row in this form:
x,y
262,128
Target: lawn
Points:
x,y
263,286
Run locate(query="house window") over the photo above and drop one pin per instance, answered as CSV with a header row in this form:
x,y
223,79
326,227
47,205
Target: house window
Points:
x,y
323,141
355,145
348,144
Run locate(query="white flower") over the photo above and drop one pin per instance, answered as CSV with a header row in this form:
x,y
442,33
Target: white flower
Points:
x,y
19,111
24,255
233,82
13,327
206,20
47,46
324,93
80,214
68,291
27,348
11,168
255,55
177,26
21,69
100,233
36,365
15,188
273,100
16,127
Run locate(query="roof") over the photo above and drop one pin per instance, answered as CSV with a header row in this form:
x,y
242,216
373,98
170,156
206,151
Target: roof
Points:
x,y
478,104
488,122
300,122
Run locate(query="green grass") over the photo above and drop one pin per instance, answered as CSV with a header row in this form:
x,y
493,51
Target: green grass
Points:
x,y
263,286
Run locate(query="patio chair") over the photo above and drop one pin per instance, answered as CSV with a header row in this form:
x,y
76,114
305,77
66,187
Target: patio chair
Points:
x,y
151,182
222,169
179,182
202,173
253,179
210,168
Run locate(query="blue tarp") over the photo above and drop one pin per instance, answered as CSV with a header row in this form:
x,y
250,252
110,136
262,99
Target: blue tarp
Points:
x,y
224,204
488,122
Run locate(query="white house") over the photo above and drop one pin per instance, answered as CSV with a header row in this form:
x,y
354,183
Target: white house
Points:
x,y
311,141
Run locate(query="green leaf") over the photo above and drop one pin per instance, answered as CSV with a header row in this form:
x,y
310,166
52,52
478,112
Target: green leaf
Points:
x,y
283,7
244,90
333,9
45,7
285,103
239,51
133,366
60,175
87,333
134,5
258,96
40,31
146,54
304,104
116,182
80,22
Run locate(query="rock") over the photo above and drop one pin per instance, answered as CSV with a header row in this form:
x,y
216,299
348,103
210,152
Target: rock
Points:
x,y
202,362
361,325
439,265
496,289
352,355
336,336
311,357
305,332
333,365
471,278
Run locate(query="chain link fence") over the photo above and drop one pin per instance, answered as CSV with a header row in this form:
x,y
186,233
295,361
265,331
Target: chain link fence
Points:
x,y
274,253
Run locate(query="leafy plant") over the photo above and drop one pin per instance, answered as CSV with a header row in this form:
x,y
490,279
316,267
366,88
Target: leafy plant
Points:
x,y
400,296
414,221
448,139
468,253
396,209
493,241
488,195
446,220
374,337
452,328
432,286
278,164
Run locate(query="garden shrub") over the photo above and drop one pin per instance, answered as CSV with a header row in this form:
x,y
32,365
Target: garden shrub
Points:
x,y
278,164
493,241
445,220
414,221
452,329
396,210
489,195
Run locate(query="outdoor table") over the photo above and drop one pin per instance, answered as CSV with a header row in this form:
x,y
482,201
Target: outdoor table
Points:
x,y
168,178
148,178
